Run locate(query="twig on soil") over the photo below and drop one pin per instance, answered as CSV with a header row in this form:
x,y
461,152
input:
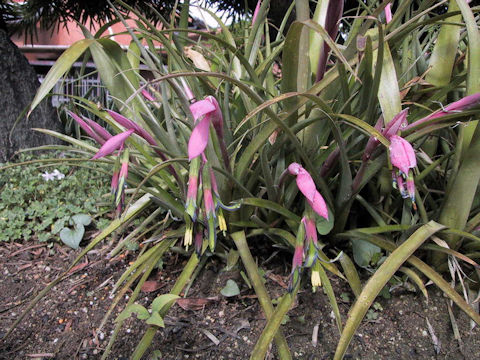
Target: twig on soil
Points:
x,y
209,335
25,249
315,335
17,303
41,355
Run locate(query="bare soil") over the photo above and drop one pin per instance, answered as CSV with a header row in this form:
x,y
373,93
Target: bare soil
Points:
x,y
65,324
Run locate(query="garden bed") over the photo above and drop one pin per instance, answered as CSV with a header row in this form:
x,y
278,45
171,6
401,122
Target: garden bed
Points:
x,y
208,325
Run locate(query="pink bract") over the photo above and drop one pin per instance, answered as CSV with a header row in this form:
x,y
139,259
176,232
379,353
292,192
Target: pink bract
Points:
x,y
114,143
255,13
388,13
87,128
210,110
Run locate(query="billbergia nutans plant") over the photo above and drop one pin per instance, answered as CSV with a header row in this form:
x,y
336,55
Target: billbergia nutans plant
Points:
x,y
299,140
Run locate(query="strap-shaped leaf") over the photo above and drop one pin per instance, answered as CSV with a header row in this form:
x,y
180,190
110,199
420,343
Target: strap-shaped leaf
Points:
x,y
61,66
376,283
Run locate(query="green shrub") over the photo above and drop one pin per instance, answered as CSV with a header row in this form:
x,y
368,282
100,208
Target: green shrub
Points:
x,y
32,207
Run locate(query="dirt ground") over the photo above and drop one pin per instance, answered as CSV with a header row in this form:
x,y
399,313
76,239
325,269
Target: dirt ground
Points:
x,y
64,325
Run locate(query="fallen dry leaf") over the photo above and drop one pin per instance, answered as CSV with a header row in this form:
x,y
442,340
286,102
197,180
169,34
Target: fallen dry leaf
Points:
x,y
152,285
78,267
194,304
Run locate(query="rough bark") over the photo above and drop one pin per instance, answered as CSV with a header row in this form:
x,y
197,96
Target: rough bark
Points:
x,y
18,87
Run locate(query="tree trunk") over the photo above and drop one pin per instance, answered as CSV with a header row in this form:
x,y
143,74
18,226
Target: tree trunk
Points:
x,y
19,84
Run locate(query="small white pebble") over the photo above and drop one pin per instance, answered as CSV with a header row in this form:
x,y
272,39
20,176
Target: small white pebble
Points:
x,y
47,268
400,312
101,336
55,340
91,303
127,297
129,331
424,333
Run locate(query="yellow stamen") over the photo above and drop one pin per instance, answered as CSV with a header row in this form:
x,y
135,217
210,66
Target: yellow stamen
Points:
x,y
188,237
315,278
221,222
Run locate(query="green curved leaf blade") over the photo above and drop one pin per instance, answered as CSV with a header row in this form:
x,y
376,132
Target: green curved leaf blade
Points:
x,y
375,284
61,66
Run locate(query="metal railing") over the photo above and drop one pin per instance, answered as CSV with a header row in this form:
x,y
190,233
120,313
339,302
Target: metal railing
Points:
x,y
89,87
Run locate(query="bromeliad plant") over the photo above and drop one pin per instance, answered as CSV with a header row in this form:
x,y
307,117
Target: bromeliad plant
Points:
x,y
336,119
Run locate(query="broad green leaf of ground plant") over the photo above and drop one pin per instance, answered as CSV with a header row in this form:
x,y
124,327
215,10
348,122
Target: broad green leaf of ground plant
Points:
x,y
230,289
138,309
72,237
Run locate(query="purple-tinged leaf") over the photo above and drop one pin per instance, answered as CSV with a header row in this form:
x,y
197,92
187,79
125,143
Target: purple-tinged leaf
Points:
x,y
463,104
147,95
129,124
255,13
398,123
100,130
87,128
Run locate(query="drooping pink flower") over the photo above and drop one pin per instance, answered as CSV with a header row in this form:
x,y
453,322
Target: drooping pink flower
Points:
x,y
114,143
210,110
402,157
307,187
